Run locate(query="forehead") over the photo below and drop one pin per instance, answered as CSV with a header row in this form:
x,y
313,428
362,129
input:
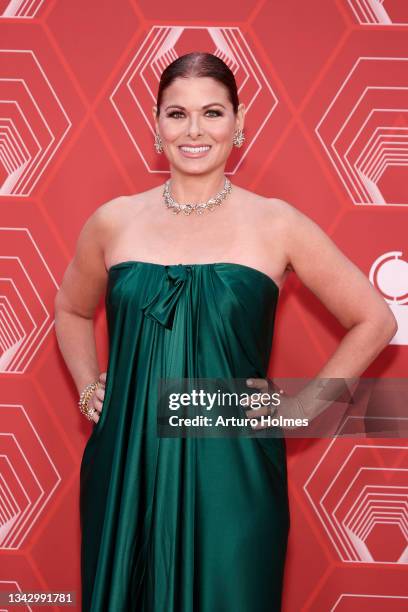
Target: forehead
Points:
x,y
195,90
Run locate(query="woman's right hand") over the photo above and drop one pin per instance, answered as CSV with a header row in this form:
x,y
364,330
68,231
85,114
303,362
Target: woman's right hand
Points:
x,y
97,398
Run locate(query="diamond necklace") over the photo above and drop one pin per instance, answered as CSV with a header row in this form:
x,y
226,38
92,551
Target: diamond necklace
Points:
x,y
200,207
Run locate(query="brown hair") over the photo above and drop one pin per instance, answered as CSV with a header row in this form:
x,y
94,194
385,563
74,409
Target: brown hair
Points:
x,y
199,64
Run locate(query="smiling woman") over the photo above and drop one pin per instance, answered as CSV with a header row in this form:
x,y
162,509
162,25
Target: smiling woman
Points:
x,y
212,127
188,524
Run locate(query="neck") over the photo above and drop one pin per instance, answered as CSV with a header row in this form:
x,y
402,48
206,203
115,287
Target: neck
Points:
x,y
194,188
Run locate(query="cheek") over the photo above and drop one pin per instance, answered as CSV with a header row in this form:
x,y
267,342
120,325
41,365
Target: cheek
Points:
x,y
170,131
221,133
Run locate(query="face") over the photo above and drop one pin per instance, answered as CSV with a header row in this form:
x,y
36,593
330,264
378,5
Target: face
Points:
x,y
196,112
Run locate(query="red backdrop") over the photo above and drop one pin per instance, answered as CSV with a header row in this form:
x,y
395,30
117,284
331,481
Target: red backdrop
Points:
x,y
325,85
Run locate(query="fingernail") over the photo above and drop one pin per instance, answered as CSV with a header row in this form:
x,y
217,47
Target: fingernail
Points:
x,y
249,381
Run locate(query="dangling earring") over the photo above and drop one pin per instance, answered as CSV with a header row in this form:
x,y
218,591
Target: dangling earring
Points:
x,y
158,145
239,138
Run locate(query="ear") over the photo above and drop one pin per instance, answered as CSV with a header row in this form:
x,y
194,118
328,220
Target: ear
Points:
x,y
239,124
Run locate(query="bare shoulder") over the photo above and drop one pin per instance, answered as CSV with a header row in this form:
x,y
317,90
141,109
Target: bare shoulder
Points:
x,y
85,277
116,213
299,227
111,211
103,215
95,233
289,213
295,227
269,212
326,270
280,210
293,232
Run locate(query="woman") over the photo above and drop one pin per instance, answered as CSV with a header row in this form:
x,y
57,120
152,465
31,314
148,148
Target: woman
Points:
x,y
193,524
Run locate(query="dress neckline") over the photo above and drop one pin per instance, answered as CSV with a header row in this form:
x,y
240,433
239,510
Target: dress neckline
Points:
x,y
128,262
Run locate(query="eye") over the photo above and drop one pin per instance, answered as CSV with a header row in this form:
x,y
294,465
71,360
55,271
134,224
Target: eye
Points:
x,y
173,113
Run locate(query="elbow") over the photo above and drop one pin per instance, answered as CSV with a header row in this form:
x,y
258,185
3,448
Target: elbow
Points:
x,y
394,328
57,302
381,329
61,306
389,327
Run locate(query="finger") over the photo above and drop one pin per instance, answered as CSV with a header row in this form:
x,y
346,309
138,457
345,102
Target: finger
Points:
x,y
97,403
99,392
102,377
95,410
252,405
247,400
266,424
260,426
257,413
260,402
257,383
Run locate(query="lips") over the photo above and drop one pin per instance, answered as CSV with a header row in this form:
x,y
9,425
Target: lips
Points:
x,y
195,147
195,152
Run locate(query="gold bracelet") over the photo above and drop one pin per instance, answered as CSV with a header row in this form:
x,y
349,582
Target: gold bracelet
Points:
x,y
84,399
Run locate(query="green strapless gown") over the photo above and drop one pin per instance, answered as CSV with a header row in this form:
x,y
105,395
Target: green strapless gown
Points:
x,y
182,524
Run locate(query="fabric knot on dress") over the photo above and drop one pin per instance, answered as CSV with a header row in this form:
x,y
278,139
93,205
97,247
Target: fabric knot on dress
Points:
x,y
162,306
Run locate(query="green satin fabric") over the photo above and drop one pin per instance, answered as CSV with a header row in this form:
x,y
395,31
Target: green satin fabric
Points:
x,y
182,524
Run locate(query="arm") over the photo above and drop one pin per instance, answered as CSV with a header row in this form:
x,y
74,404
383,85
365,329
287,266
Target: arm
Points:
x,y
83,284
344,290
348,295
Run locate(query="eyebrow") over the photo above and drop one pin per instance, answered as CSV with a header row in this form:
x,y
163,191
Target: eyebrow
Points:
x,y
205,106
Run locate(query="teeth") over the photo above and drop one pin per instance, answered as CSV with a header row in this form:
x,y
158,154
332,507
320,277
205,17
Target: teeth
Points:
x,y
194,149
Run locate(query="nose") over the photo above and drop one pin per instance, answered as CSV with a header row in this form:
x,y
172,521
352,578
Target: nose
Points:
x,y
194,128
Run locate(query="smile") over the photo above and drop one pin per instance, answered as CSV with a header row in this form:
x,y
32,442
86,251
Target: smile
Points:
x,y
194,151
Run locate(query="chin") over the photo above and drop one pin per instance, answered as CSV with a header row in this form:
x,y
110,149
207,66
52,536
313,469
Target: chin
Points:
x,y
189,168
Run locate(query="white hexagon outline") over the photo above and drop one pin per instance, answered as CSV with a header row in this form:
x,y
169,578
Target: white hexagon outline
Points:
x,y
324,512
52,147
33,511
34,334
350,171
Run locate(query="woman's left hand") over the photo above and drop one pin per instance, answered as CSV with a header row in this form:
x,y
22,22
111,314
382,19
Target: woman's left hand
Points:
x,y
287,406
263,386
